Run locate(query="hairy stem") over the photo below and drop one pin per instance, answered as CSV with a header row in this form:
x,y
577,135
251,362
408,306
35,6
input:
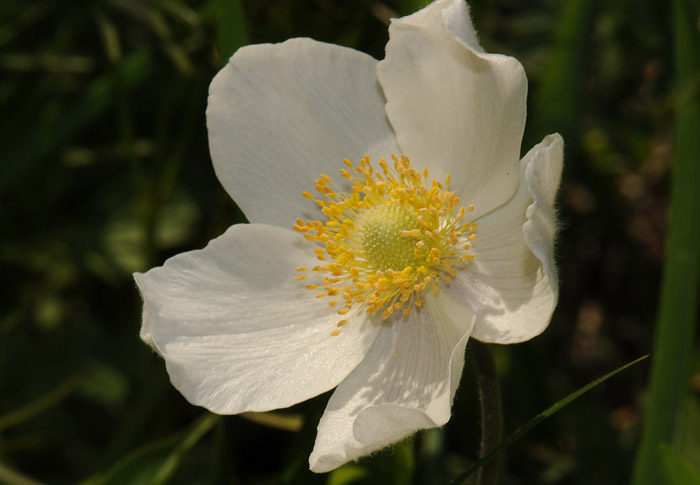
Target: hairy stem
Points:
x,y
490,407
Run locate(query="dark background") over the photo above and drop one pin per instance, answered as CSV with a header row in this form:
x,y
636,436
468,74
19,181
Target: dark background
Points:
x,y
104,170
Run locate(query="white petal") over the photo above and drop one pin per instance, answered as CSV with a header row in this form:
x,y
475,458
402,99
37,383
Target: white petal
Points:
x,y
238,333
512,282
406,383
454,108
280,115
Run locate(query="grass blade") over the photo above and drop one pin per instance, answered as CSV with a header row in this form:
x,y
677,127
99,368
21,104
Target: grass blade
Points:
x,y
538,419
674,336
155,463
677,470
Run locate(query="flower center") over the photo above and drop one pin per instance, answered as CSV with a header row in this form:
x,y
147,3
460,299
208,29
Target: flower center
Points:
x,y
383,245
386,240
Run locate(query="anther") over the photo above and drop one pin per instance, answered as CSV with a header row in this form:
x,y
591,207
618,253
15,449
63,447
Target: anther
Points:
x,y
368,238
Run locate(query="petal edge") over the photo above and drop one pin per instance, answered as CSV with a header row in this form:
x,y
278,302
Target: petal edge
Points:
x,y
237,332
279,115
512,283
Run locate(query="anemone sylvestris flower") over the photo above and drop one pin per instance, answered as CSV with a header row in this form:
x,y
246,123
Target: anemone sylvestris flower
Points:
x,y
391,219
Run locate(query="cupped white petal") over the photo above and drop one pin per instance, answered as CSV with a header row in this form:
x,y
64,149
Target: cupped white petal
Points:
x,y
512,284
279,115
406,383
455,109
238,333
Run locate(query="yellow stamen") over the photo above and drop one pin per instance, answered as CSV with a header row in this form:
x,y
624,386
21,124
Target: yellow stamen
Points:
x,y
390,234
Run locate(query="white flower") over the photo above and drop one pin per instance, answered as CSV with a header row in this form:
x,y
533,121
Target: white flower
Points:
x,y
239,330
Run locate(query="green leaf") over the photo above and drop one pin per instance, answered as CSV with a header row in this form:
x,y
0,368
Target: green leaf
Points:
x,y
155,463
539,418
675,330
676,469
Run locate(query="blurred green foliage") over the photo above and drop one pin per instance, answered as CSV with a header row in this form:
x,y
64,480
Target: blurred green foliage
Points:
x,y
674,338
105,170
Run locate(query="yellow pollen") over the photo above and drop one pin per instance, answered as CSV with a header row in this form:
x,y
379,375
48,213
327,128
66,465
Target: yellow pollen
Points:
x,y
390,234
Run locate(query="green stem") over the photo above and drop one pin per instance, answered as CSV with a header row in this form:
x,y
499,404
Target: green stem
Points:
x,y
490,407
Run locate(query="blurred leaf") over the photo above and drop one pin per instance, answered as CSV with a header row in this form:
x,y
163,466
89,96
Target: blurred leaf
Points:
x,y
123,235
395,466
23,18
231,30
50,133
557,101
110,37
287,422
392,466
407,7
690,432
675,330
12,477
155,463
348,475
676,469
182,12
539,418
105,384
151,17
430,456
42,404
296,469
46,63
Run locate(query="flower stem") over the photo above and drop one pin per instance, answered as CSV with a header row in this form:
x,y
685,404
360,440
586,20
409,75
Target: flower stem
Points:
x,y
490,407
